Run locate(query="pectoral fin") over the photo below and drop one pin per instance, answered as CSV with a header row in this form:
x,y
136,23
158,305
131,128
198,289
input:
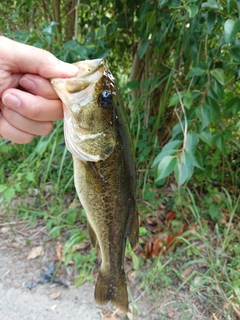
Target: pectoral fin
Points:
x,y
102,145
92,235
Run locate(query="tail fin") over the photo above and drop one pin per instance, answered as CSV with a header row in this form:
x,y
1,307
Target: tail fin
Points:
x,y
114,289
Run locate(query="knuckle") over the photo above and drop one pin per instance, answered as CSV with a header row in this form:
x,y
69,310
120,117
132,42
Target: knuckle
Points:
x,y
8,114
33,112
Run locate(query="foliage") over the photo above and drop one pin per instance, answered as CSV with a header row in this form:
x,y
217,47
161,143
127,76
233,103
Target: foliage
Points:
x,y
183,76
177,63
202,68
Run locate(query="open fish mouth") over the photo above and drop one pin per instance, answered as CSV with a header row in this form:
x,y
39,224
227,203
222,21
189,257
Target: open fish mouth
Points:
x,y
69,90
77,93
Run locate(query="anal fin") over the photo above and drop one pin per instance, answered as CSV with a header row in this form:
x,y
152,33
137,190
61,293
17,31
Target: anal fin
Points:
x,y
134,230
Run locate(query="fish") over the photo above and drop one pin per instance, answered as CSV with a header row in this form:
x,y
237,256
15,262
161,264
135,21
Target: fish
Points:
x,y
97,134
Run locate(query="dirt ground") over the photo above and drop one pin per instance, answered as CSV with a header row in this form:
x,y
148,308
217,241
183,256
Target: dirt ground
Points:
x,y
18,270
21,265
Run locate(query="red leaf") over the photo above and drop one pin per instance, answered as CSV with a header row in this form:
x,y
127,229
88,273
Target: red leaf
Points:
x,y
157,247
169,239
148,249
171,215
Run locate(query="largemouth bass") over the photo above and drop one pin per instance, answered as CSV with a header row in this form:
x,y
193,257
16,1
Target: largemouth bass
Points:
x,y
97,134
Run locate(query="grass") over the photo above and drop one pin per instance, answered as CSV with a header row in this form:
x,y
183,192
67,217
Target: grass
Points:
x,y
202,275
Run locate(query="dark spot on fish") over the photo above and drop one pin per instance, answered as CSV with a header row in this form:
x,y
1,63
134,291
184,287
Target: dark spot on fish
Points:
x,y
108,150
91,117
105,99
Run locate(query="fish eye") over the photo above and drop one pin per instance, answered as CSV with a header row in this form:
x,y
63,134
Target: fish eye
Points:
x,y
105,99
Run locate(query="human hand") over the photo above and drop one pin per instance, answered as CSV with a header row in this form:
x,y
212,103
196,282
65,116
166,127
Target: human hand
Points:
x,y
24,114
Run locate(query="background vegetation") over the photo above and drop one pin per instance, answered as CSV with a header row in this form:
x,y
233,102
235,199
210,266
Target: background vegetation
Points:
x,y
178,67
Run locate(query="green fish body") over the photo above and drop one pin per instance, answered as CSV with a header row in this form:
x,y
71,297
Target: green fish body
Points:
x,y
97,134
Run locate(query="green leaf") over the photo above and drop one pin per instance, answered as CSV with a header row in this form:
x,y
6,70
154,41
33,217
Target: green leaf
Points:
x,y
214,213
142,231
215,109
230,6
211,18
192,10
174,100
30,176
144,9
171,148
143,48
134,84
211,4
180,173
196,162
68,258
166,166
206,136
9,194
162,3
238,126
234,53
187,99
188,160
177,129
204,115
195,72
218,74
231,28
3,187
191,142
151,21
183,171
172,144
218,89
41,146
55,232
220,143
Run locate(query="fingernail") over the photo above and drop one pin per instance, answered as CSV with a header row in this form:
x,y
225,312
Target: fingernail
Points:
x,y
69,68
11,101
27,84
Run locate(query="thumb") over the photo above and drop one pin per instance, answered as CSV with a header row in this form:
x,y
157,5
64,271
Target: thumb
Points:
x,y
21,58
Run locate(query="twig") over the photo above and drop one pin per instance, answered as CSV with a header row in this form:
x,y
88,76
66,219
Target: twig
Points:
x,y
36,233
185,129
220,291
12,223
141,294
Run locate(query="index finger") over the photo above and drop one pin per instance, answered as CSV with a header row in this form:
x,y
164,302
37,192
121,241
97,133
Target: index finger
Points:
x,y
38,86
32,106
22,58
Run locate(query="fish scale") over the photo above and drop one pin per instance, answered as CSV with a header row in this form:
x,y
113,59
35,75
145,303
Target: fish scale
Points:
x,y
97,134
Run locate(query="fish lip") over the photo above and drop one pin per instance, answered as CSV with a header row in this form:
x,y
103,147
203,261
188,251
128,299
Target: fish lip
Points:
x,y
66,88
89,66
68,93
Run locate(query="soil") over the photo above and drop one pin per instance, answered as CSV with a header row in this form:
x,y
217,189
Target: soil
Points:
x,y
18,270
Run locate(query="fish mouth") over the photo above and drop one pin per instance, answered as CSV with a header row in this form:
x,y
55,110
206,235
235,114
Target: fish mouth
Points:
x,y
87,69
75,92
69,89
